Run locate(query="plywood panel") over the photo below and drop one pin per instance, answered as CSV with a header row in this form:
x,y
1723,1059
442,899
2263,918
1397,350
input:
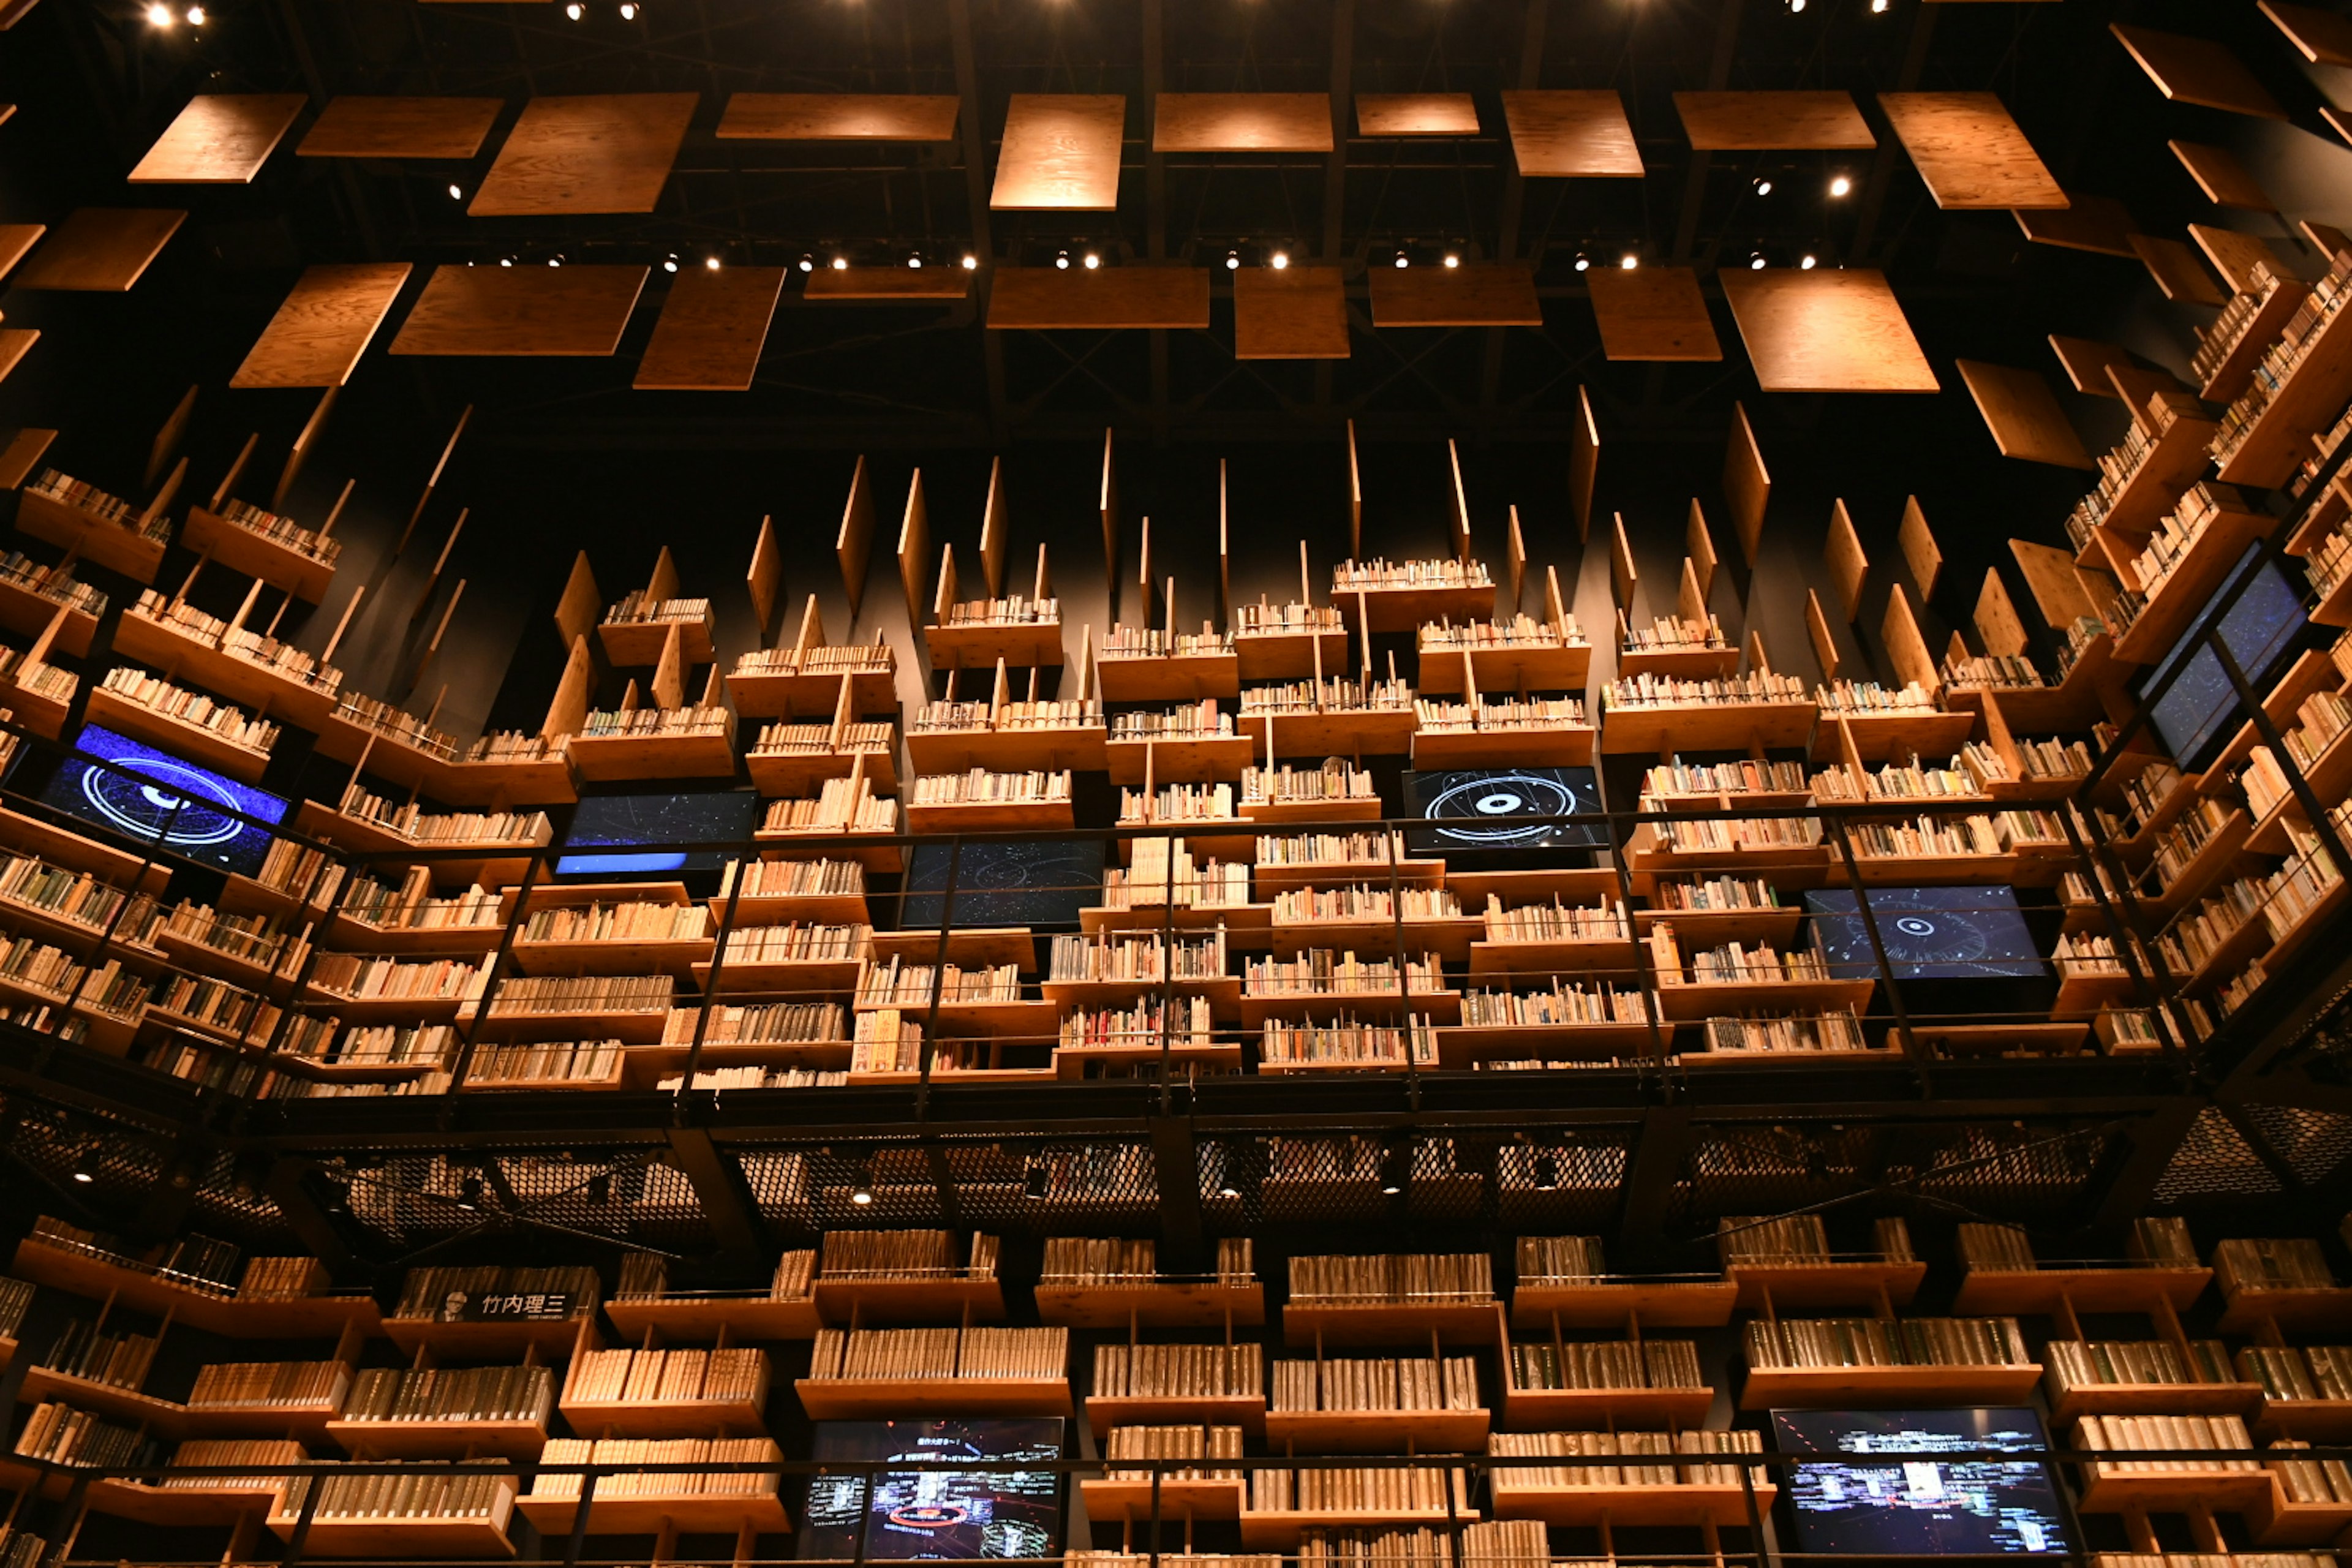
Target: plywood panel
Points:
x,y
1242,122
1571,134
1907,650
1583,462
2024,414
599,153
2085,363
2235,256
1849,567
1299,313
100,251
24,453
2051,577
220,139
1472,295
1040,298
1817,627
1918,543
914,547
1416,114
527,311
2320,37
712,330
14,343
1826,331
765,575
2325,238
2134,386
852,546
2221,177
1622,577
1968,150
1060,152
839,117
364,126
318,335
1757,121
1698,548
2175,269
2098,224
2197,70
1997,619
1747,487
1652,313
887,283
16,239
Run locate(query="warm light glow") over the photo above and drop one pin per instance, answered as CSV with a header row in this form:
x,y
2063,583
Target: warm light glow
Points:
x,y
916,262
670,265
196,17
1627,262
841,264
555,261
628,13
1840,185
1233,260
1093,261
807,265
506,261
1401,260
1451,259
1756,262
971,263
1062,262
456,194
710,263
160,15
1583,262
1281,259
574,10
1763,187
1807,265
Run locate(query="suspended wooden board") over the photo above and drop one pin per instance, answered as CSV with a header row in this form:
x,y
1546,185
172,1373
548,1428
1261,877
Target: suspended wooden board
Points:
x,y
323,326
2097,224
2197,70
1759,121
2024,414
2221,177
839,117
16,239
523,311
600,152
1571,135
1037,298
1698,549
14,343
712,330
2320,37
100,251
1826,331
1997,623
887,283
1242,122
23,455
2235,256
1849,567
852,546
1651,314
2085,363
1583,462
1416,114
2325,237
1746,484
220,139
1488,294
1060,153
2175,269
1918,543
2134,386
1824,641
1298,312
362,126
1969,152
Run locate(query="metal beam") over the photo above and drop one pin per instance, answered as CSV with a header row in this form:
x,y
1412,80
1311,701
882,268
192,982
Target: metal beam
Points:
x,y
718,1187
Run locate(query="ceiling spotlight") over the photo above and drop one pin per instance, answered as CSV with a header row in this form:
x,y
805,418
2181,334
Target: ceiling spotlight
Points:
x,y
1756,262
574,10
555,261
861,1185
1093,261
469,1192
970,262
196,17
160,15
1878,7
1280,259
628,12
1583,262
841,264
84,1166
1807,265
1396,1169
710,264
506,261
457,193
1402,259
1062,262
916,262
1795,6
1226,1189
1033,1182
1233,260
1451,259
1627,262
600,1188
1839,184
1763,187
1547,1171
669,263
807,264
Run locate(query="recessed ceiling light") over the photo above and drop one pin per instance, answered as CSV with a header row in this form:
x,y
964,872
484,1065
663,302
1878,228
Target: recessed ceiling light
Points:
x,y
1062,262
1233,260
1583,262
628,12
808,264
555,261
1839,184
669,264
574,10
457,193
196,17
1756,262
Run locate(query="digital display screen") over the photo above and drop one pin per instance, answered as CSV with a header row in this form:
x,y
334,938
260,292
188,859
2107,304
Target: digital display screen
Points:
x,y
1003,882
2199,706
936,1514
611,833
157,798
1929,933
1945,1496
1487,808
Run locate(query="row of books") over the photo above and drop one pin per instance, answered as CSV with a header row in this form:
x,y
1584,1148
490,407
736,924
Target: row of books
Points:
x,y
798,941
981,787
1354,576
542,994
2309,1372
246,1384
445,830
1882,1342
1566,1003
980,1352
1347,1040
1606,1363
1400,1490
2294,1263
1179,1372
645,1276
1746,776
428,1292
153,693
637,1376
64,1435
81,1350
1398,1279
1143,959
779,1022
624,1454
1383,1383
321,547
1087,1260
1650,690
1626,1445
525,1394
1172,1443
903,1254
2078,1363
1333,694
1186,1022
1799,1239
424,1490
637,919
2185,1433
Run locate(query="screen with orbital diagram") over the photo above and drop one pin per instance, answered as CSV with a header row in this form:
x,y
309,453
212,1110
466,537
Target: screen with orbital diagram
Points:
x,y
2197,708
1929,933
1474,810
1002,882
158,798
615,834
1948,1491
937,1513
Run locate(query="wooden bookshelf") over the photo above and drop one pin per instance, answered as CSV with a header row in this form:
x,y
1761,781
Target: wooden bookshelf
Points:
x,y
990,816
1284,1530
493,863
1150,1303
1452,937
175,735
2307,1420
1404,607
1277,876
1604,1302
2272,1518
1378,1431
140,1289
1334,731
2185,590
546,1338
1179,759
2070,1405
1684,1001
403,1539
2012,1292
1460,1045
222,1501
977,644
211,534
1263,814
790,775
665,1417
1246,1411
1289,653
2183,1488
609,758
1722,1507
160,1417
1505,666
1659,728
1554,1409
899,1398
1688,662
439,1439
1547,745
2254,339
1861,1282
1347,1322
1886,1387
1387,1005
1698,930
643,1513
1493,959
1110,1498
29,612
2289,1309
868,1299
2173,460
1880,737
1171,677
2314,392
117,546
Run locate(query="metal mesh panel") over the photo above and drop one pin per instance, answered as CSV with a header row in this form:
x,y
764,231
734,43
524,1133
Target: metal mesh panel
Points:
x,y
1752,1170
1055,1186
2312,1142
1549,1182
2020,1170
805,1190
2214,1160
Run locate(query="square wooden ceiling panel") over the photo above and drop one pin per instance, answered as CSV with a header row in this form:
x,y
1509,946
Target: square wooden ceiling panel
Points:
x,y
1298,312
220,139
100,251
2175,269
2321,36
361,126
2024,414
1826,331
15,239
887,283
1416,114
1242,122
603,153
1466,296
1061,152
2085,363
2098,224
2221,177
2235,256
1968,150
326,323
1571,135
839,117
1039,298
2197,70
712,328
522,311
1652,313
1755,121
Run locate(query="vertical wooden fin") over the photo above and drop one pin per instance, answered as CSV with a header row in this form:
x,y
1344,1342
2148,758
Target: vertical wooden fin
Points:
x,y
853,545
